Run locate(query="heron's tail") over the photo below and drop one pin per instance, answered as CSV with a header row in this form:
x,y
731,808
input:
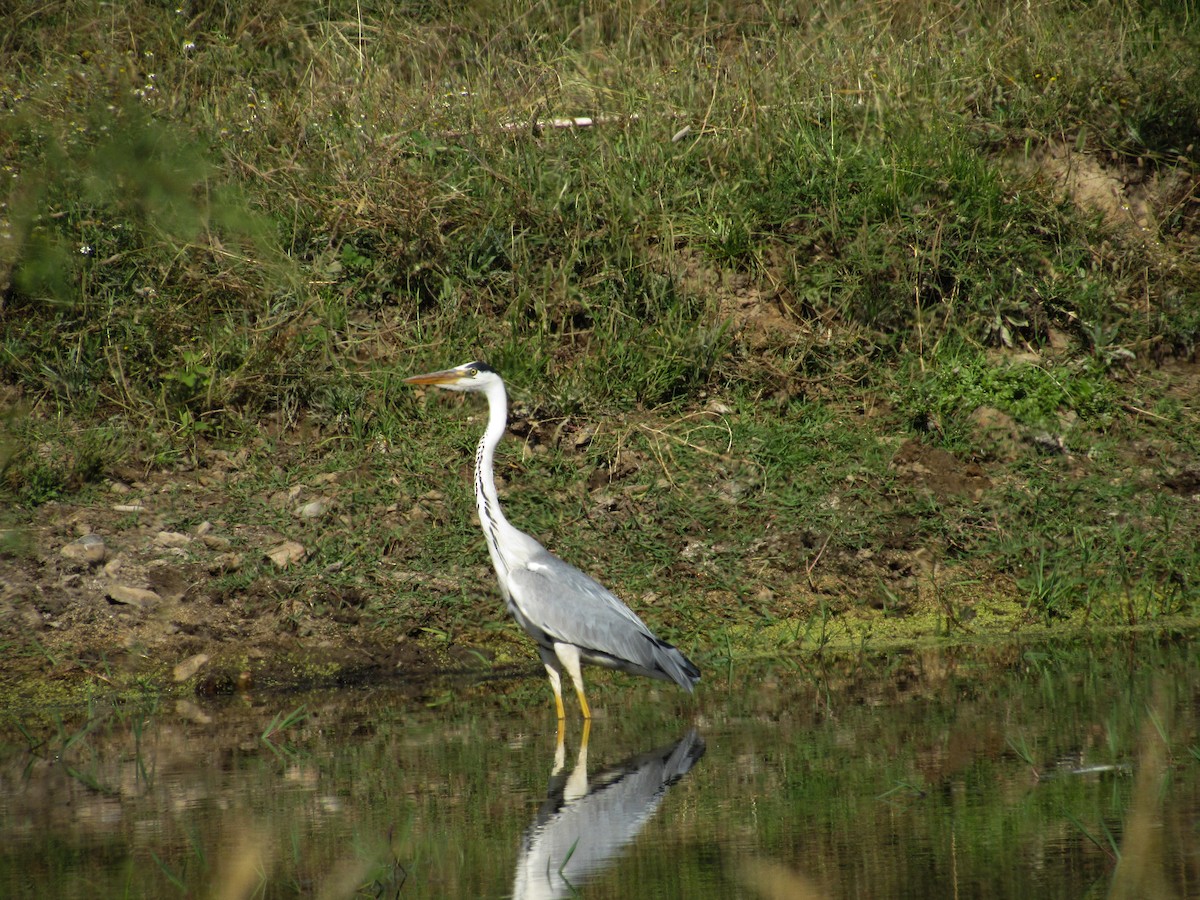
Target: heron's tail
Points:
x,y
676,666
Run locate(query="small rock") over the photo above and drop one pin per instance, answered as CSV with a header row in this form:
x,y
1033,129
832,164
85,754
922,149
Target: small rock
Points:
x,y
131,596
171,539
204,528
216,542
313,509
224,563
113,566
286,553
1050,444
129,508
190,667
89,549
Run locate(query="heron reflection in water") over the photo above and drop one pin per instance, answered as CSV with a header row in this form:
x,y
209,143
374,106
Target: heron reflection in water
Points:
x,y
572,617
585,822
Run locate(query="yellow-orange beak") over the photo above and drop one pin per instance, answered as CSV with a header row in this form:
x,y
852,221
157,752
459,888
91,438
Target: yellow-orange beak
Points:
x,y
445,376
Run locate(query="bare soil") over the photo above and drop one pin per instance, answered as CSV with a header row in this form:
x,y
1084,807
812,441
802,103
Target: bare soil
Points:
x,y
166,605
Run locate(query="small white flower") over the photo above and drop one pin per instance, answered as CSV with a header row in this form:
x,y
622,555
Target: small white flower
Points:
x,y
86,249
189,46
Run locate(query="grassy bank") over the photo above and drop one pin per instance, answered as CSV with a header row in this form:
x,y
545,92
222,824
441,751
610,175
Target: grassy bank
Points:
x,y
852,312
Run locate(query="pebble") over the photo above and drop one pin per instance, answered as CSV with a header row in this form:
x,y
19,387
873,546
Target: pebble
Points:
x,y
312,509
90,549
223,563
171,539
286,553
131,596
216,542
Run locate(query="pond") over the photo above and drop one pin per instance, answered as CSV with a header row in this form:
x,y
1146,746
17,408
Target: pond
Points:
x,y
1025,770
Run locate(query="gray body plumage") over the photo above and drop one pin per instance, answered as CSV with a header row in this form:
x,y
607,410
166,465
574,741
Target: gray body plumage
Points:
x,y
572,617
554,602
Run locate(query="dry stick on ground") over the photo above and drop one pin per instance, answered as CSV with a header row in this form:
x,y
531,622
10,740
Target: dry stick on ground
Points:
x,y
808,570
536,124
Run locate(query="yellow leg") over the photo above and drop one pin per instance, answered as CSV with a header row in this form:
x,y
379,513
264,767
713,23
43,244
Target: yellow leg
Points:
x,y
583,704
562,710
552,672
569,657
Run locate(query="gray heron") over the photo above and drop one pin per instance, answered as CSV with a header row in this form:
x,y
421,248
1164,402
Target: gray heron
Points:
x,y
571,616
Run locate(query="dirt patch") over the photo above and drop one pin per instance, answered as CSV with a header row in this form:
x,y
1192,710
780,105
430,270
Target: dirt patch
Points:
x,y
107,591
755,308
1131,197
939,472
1152,206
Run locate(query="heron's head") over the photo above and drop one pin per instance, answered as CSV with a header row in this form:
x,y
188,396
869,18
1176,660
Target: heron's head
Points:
x,y
472,376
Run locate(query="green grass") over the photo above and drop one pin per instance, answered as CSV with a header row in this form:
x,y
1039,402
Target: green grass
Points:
x,y
856,163
218,219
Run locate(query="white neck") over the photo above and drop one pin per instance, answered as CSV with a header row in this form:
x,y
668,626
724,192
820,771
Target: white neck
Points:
x,y
486,500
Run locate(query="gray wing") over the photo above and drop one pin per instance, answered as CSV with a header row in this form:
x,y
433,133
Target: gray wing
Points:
x,y
555,602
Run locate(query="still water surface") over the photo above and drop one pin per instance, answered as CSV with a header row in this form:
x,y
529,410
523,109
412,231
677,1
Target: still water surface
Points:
x,y
1044,770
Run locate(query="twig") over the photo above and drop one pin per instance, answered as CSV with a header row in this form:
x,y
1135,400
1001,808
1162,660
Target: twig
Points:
x,y
1138,411
569,122
808,570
